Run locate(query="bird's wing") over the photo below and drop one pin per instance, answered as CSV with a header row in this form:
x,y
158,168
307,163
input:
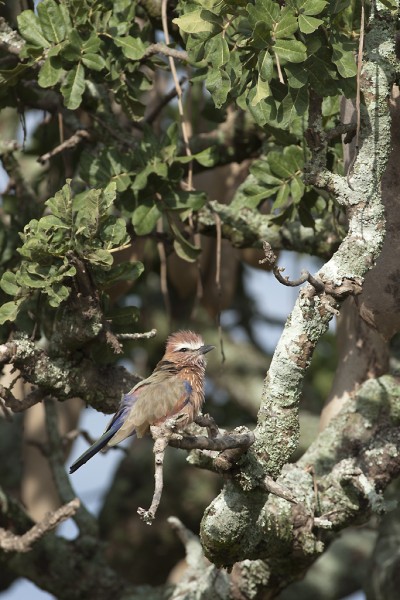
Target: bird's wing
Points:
x,y
153,399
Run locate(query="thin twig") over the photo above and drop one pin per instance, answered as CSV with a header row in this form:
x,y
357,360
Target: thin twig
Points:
x,y
163,270
17,405
218,228
153,114
10,542
160,445
160,48
271,258
71,142
278,489
137,336
174,73
358,93
278,68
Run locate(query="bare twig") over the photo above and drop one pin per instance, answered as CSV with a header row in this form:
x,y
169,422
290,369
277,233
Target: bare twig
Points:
x,y
146,335
271,258
272,486
160,48
153,114
278,68
163,270
184,125
17,405
161,436
218,229
71,142
10,542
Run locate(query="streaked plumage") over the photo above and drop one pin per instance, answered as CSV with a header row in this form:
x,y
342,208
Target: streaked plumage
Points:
x,y
174,389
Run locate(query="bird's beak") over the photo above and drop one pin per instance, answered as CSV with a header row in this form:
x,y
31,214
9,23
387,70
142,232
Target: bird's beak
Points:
x,y
205,349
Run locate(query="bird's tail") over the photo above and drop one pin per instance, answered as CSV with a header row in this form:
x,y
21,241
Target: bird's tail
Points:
x,y
94,448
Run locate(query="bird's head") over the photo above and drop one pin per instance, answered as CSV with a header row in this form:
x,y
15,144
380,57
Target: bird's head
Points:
x,y
187,348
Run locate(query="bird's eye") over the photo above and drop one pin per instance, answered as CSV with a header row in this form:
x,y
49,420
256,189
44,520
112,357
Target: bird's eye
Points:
x,y
183,349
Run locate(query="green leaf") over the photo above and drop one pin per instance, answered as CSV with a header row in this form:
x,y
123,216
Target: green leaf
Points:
x,y
90,208
157,168
92,44
94,62
219,85
9,310
286,26
9,284
265,65
61,204
52,21
126,271
296,189
282,196
30,28
308,24
113,232
262,91
198,21
51,72
57,293
343,55
207,157
266,11
291,50
71,49
99,257
217,51
73,87
311,7
145,217
297,75
132,48
9,77
321,73
183,247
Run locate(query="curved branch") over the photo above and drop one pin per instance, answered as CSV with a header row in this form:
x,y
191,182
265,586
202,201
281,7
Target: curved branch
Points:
x,y
277,432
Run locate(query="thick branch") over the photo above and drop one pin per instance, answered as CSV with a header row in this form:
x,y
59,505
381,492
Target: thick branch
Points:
x,y
277,431
249,228
99,386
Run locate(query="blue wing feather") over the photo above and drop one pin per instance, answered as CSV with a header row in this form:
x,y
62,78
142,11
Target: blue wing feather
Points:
x,y
115,424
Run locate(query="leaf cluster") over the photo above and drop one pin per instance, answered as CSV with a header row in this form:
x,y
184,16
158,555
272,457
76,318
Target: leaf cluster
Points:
x,y
149,184
74,227
267,57
77,43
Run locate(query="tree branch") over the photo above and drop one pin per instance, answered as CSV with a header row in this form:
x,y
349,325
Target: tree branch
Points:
x,y
65,377
10,542
277,430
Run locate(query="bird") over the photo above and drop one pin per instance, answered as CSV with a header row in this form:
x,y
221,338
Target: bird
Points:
x,y
174,389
